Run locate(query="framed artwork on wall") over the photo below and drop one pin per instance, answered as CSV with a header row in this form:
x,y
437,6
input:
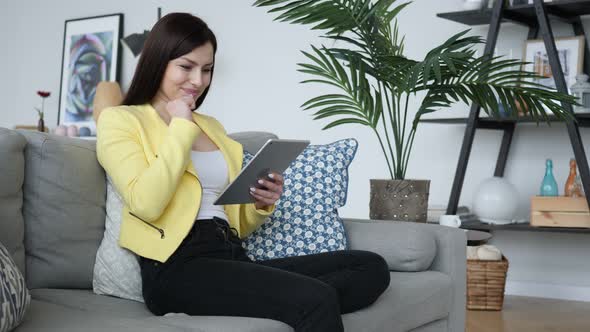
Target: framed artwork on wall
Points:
x,y
91,54
571,56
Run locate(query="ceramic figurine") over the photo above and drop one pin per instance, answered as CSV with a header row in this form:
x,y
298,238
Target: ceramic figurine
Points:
x,y
84,131
61,130
549,185
72,131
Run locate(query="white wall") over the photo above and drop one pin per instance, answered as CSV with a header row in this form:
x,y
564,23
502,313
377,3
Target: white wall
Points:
x,y
256,88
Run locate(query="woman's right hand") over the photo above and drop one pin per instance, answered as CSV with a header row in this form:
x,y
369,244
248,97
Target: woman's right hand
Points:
x,y
181,108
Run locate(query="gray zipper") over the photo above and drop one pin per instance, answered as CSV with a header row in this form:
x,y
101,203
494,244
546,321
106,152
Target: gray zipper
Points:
x,y
161,231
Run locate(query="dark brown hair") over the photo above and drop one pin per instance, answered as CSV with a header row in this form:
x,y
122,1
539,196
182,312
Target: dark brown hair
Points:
x,y
173,36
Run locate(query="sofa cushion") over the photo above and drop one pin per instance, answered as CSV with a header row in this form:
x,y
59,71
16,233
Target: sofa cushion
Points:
x,y
14,295
411,300
48,316
12,174
406,246
252,141
120,309
86,300
64,210
116,270
305,220
221,323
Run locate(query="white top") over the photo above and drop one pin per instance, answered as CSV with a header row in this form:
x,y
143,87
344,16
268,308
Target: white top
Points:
x,y
213,175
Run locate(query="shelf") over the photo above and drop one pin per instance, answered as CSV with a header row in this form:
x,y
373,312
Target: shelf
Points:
x,y
523,14
498,123
538,17
480,226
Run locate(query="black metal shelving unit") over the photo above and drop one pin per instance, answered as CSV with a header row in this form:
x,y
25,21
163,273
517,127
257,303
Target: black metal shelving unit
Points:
x,y
495,123
537,17
480,226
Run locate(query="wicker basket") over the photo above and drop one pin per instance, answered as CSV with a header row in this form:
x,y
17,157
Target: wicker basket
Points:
x,y
485,284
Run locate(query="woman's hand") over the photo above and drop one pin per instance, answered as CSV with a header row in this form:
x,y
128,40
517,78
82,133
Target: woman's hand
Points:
x,y
268,190
181,108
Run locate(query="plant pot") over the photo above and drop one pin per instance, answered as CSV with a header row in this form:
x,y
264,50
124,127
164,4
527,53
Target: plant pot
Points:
x,y
405,200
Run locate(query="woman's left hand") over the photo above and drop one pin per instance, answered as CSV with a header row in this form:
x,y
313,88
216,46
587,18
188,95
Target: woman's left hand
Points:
x,y
269,190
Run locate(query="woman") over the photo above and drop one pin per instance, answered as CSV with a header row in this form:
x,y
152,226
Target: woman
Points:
x,y
169,163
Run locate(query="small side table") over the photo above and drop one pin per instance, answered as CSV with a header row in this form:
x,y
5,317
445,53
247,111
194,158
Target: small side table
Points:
x,y
477,238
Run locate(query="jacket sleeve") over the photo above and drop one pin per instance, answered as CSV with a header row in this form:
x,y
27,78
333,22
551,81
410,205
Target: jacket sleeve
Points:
x,y
252,218
145,187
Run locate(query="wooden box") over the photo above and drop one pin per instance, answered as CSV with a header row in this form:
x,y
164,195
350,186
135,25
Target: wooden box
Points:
x,y
560,211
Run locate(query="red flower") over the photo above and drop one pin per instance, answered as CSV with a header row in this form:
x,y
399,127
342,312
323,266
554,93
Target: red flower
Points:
x,y
44,94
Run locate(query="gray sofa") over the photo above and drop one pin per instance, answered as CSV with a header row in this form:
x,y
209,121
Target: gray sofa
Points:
x,y
52,211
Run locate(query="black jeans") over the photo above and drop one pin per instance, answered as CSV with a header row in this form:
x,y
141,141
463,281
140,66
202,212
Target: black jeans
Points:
x,y
210,274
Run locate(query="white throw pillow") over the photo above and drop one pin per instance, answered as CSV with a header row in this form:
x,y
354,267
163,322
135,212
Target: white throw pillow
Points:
x,y
116,270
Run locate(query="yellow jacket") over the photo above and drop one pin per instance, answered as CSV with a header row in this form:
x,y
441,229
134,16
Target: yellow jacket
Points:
x,y
150,166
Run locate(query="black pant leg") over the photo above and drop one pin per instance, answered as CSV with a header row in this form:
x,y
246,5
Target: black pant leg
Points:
x,y
220,287
359,277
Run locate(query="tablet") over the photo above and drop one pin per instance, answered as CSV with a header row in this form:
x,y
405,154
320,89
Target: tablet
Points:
x,y
274,156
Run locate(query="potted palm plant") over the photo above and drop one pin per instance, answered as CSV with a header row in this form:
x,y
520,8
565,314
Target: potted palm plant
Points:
x,y
374,80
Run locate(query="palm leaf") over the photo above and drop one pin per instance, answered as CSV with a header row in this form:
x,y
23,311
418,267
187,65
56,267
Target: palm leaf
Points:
x,y
345,121
335,16
487,80
431,103
357,101
371,53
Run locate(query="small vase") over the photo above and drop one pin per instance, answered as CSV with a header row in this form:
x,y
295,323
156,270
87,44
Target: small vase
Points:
x,y
41,125
570,184
549,185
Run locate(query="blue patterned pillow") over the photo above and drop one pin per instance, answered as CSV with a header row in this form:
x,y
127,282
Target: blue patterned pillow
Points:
x,y
306,219
14,295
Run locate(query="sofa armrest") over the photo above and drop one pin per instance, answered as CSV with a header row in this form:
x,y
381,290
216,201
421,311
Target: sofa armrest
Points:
x,y
451,259
408,246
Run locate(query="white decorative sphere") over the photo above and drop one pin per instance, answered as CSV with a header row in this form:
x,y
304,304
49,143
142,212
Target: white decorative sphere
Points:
x,y
495,201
